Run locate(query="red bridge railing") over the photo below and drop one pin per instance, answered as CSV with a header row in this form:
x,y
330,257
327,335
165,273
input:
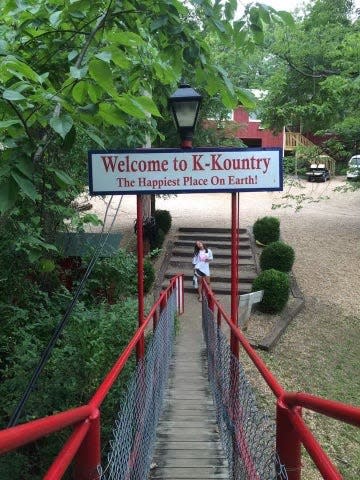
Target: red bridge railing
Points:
x,y
291,430
83,445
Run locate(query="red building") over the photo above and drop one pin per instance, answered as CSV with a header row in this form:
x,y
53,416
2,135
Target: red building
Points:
x,y
253,134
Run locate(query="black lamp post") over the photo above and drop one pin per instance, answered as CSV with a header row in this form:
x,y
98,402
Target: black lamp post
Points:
x,y
185,106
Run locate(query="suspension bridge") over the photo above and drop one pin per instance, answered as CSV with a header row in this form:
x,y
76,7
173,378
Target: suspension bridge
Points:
x,y
203,423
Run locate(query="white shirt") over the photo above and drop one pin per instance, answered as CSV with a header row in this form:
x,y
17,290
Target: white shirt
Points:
x,y
201,261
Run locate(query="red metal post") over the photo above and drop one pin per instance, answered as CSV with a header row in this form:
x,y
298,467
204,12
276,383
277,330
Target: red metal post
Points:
x,y
88,458
326,468
140,348
185,144
234,344
288,444
67,453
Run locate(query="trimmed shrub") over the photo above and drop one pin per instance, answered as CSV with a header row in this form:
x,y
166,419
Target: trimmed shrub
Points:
x,y
277,255
267,230
158,239
163,220
276,286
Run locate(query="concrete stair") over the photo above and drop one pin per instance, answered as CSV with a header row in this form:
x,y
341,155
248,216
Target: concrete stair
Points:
x,y
219,240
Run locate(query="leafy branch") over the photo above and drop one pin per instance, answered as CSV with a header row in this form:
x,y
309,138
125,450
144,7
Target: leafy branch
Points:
x,y
41,149
21,118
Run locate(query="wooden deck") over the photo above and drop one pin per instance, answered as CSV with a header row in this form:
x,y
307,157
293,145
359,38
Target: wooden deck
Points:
x,y
188,444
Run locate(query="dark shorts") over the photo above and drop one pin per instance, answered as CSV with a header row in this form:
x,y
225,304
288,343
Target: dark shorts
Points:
x,y
199,273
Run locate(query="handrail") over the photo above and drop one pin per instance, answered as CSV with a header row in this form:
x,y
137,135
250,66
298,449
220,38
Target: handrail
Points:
x,y
293,139
270,379
289,402
20,435
84,416
338,410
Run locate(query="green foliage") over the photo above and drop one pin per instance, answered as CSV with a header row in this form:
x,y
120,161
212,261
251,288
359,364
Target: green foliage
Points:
x,y
158,239
89,346
149,274
294,165
115,278
61,95
154,253
163,220
311,83
277,255
276,288
308,154
267,230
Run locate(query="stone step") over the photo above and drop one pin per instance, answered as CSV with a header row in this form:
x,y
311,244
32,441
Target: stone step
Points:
x,y
188,253
208,230
207,238
213,246
196,461
244,261
244,275
209,473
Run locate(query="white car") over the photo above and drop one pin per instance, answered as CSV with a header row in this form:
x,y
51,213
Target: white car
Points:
x,y
353,171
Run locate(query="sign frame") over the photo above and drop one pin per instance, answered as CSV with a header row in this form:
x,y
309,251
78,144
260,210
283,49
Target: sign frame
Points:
x,y
278,170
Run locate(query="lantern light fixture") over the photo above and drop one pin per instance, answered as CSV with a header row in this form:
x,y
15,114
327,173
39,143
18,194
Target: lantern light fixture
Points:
x,y
184,105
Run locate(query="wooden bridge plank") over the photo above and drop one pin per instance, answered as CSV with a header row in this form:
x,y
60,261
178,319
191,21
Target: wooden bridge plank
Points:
x,y
192,473
188,445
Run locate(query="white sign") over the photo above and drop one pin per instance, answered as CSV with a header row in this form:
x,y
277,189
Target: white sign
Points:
x,y
158,171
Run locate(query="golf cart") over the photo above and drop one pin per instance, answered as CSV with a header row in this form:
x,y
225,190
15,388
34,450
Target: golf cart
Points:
x,y
318,173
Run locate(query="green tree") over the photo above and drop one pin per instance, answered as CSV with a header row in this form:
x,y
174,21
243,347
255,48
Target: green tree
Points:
x,y
96,70
314,83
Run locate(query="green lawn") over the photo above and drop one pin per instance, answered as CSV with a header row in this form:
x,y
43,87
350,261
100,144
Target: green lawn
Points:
x,y
320,354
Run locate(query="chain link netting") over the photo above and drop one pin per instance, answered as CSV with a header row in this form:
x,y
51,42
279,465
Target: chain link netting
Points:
x,y
247,433
134,433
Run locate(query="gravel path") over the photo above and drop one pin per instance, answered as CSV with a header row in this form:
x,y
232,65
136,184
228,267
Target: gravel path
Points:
x,y
325,234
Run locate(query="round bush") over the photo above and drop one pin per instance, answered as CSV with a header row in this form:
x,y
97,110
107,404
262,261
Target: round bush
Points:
x,y
277,255
163,220
276,286
267,230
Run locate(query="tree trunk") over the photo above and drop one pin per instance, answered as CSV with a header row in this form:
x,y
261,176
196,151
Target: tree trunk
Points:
x,y
153,205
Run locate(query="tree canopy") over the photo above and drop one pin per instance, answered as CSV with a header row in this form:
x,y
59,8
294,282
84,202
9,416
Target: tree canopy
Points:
x,y
314,80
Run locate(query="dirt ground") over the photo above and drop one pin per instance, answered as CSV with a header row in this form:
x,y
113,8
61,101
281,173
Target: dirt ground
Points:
x,y
325,232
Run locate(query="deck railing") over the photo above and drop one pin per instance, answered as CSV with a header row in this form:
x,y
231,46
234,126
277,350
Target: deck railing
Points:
x,y
294,140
